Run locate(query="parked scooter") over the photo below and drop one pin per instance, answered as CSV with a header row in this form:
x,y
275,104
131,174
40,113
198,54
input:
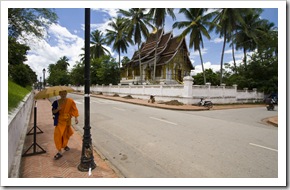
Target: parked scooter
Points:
x,y
204,103
151,99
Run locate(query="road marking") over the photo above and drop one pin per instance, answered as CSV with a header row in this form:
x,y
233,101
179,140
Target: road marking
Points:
x,y
263,147
95,102
163,120
119,109
77,102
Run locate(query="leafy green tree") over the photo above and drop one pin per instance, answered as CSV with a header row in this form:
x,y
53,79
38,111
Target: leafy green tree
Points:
x,y
195,26
105,70
136,25
23,75
16,52
58,72
58,77
97,44
212,77
158,15
118,36
109,72
77,74
19,72
125,61
95,66
266,81
29,20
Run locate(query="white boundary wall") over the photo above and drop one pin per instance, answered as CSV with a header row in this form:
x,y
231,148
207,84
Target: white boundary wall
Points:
x,y
18,122
186,93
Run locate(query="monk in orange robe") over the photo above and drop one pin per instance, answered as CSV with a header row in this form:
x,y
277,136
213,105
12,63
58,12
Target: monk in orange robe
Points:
x,y
63,110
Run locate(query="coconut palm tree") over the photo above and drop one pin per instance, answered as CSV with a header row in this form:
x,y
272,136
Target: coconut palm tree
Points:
x,y
62,63
252,35
225,23
118,36
195,26
136,25
158,15
97,42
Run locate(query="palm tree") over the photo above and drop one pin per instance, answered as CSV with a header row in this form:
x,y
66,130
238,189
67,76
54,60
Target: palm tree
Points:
x,y
196,26
251,36
62,63
136,25
82,55
158,15
118,36
97,42
243,37
226,22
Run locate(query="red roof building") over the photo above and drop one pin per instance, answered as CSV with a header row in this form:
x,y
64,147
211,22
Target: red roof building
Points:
x,y
172,61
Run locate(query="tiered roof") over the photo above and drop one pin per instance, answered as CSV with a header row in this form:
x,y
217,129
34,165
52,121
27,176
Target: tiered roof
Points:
x,y
167,47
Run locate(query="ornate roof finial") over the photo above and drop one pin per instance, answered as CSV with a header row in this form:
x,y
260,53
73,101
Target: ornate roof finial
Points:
x,y
154,31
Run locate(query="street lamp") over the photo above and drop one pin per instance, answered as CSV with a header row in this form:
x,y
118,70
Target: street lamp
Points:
x,y
43,78
87,157
40,84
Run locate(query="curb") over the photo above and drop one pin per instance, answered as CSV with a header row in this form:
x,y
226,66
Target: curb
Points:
x,y
270,121
150,105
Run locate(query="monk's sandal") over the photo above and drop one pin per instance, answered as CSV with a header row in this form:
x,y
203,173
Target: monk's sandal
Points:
x,y
57,156
66,148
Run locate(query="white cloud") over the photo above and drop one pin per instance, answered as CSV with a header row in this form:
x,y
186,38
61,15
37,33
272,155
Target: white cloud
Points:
x,y
196,53
101,27
42,53
229,51
218,40
112,12
207,65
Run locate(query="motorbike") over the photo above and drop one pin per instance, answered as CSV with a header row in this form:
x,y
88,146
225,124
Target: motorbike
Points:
x,y
270,105
204,103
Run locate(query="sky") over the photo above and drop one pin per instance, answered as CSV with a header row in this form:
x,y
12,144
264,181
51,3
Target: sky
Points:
x,y
66,38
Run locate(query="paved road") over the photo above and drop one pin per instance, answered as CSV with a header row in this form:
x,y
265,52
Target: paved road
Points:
x,y
148,142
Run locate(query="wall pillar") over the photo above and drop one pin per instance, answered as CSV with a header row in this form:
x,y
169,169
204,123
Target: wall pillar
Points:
x,y
223,91
187,87
208,88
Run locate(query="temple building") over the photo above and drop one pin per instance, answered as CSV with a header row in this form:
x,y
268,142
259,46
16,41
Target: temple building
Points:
x,y
172,61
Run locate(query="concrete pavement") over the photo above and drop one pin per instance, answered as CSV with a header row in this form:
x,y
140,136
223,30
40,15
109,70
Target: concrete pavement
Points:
x,y
43,165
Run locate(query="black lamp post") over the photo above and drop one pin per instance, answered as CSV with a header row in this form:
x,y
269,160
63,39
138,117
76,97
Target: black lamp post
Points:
x,y
43,78
87,157
40,84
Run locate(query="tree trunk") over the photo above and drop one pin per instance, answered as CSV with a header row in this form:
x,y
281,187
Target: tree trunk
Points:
x,y
119,58
222,59
234,59
245,58
140,67
202,66
154,68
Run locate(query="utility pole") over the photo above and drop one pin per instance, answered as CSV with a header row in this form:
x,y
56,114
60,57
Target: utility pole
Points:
x,y
87,157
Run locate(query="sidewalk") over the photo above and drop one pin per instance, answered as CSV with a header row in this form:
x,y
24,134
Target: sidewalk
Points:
x,y
44,166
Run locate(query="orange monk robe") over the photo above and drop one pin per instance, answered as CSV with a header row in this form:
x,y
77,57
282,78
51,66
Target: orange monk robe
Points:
x,y
63,130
